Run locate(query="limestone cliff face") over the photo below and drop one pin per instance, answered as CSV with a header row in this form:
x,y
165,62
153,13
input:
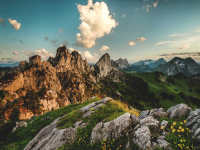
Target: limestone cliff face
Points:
x,y
67,77
103,66
120,63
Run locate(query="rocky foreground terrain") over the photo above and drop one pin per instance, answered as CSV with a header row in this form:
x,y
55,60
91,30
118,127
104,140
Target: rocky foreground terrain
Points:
x,y
149,130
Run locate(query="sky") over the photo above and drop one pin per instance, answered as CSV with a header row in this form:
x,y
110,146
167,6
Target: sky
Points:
x,y
132,29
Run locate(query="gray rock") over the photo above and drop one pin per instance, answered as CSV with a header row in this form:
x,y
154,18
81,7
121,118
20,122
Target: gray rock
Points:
x,y
88,114
112,129
179,110
50,138
134,118
149,121
127,145
19,124
92,105
164,123
142,137
153,112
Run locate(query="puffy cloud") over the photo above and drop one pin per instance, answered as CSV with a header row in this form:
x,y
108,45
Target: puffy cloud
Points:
x,y
104,48
147,9
96,22
15,53
14,23
72,49
198,29
141,39
131,43
61,30
155,3
147,6
61,45
2,22
184,47
42,52
124,15
89,57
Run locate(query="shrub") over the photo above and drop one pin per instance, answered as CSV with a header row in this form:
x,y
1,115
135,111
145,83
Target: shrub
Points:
x,y
167,96
14,116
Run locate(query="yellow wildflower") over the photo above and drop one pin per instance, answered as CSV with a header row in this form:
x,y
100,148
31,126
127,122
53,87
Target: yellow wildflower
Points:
x,y
181,123
181,140
172,127
179,145
179,135
182,130
185,121
162,127
180,127
120,146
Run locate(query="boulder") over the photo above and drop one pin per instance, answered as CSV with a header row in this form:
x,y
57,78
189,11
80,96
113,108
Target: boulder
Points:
x,y
112,129
19,124
164,123
179,110
150,121
142,137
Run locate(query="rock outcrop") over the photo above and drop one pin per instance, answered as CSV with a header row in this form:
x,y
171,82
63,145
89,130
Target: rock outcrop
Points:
x,y
19,124
51,138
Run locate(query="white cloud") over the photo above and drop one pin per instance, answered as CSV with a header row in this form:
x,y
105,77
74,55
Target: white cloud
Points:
x,y
89,57
124,15
131,43
113,14
148,6
15,24
61,30
155,3
184,47
15,53
2,22
147,9
198,29
61,45
96,22
141,39
176,34
104,48
65,42
42,52
137,9
179,43
72,49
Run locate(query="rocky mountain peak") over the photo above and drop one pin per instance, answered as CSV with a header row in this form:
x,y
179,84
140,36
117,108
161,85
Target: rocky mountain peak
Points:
x,y
34,60
103,66
120,63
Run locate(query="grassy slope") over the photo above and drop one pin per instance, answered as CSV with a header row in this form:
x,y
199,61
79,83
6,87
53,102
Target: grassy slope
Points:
x,y
21,137
181,85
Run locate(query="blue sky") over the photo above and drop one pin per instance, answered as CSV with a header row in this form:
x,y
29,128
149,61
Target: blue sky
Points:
x,y
132,29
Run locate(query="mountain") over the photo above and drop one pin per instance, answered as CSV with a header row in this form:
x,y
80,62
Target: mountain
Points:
x,y
54,83
120,63
137,69
151,63
187,66
9,63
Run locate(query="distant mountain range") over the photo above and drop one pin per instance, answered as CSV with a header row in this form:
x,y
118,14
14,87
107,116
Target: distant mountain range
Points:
x,y
151,63
187,66
9,63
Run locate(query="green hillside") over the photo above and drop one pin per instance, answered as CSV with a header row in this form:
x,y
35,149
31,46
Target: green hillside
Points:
x,y
21,137
172,85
